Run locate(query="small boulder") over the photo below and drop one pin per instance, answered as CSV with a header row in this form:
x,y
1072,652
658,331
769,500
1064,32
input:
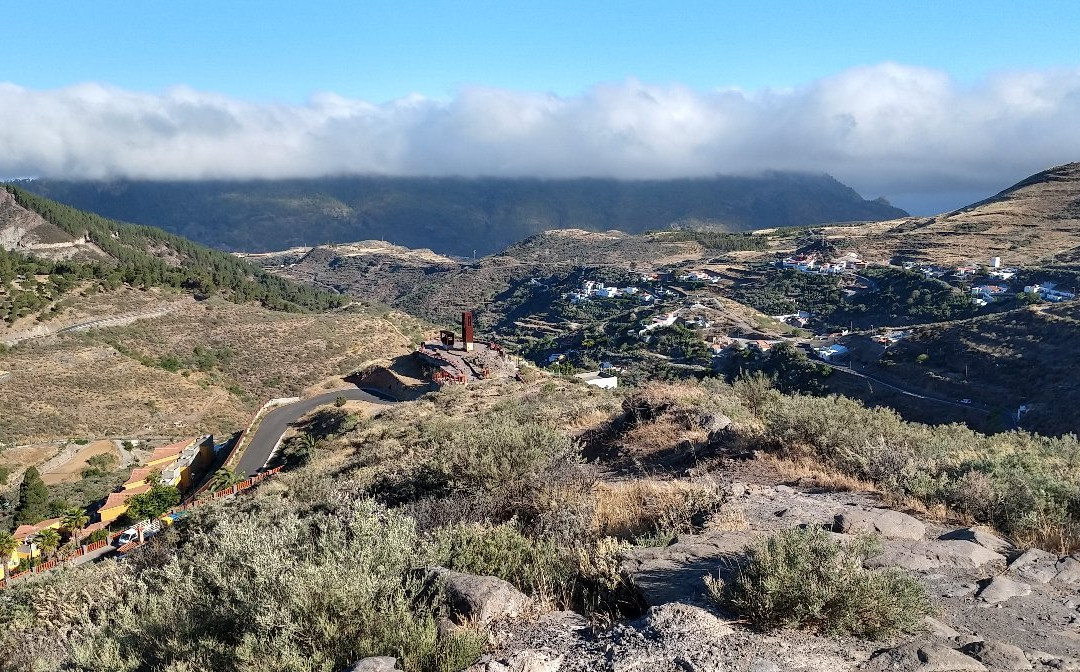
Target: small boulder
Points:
x,y
889,524
714,423
1053,661
1002,588
479,599
997,655
529,660
677,620
922,657
1035,565
939,629
982,536
763,665
1068,571
375,664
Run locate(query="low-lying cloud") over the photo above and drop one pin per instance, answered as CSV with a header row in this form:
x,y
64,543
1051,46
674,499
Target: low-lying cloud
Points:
x,y
905,132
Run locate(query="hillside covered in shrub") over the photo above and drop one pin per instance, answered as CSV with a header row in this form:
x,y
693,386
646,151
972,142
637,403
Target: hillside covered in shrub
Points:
x,y
141,256
549,486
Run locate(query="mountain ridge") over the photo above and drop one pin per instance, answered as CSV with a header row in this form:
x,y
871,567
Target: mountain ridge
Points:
x,y
459,216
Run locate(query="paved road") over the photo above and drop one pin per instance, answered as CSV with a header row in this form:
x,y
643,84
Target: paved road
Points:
x,y
274,424
941,400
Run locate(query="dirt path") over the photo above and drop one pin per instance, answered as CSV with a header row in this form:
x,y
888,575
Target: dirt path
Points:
x,y
42,330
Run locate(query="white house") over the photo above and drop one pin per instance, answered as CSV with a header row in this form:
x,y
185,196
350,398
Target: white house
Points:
x,y
1046,291
832,352
599,380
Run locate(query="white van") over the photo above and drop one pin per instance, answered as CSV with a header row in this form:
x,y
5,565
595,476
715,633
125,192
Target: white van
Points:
x,y
127,536
149,528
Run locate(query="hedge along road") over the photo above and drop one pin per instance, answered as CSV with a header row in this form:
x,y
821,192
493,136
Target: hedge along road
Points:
x,y
274,424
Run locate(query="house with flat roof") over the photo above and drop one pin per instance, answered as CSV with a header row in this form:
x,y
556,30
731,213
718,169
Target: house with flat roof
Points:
x,y
832,352
178,464
598,379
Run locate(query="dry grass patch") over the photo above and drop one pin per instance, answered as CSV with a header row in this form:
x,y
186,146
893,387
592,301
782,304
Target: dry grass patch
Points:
x,y
145,378
816,475
639,508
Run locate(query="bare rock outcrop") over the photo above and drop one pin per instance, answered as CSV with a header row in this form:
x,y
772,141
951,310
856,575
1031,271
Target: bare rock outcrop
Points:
x,y
997,655
889,524
922,657
936,554
528,660
376,664
982,536
1001,588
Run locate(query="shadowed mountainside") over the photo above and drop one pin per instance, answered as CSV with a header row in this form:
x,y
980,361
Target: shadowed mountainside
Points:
x,y
458,216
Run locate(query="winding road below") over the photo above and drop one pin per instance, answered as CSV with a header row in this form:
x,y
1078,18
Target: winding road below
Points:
x,y
928,397
274,424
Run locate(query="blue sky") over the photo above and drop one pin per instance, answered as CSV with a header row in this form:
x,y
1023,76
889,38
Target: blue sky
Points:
x,y
271,50
927,103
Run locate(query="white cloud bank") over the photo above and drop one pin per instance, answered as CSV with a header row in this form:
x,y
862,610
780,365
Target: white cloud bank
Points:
x,y
885,129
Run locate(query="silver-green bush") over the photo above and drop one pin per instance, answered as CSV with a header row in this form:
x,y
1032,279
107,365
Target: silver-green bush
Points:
x,y
803,578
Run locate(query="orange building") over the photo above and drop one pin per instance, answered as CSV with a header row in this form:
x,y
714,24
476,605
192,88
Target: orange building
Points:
x,y
116,503
178,464
24,532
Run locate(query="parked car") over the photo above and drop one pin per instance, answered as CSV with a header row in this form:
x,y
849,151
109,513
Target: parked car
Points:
x,y
126,537
149,529
965,401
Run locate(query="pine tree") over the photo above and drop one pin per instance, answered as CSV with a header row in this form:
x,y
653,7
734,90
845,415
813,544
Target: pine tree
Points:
x,y
33,499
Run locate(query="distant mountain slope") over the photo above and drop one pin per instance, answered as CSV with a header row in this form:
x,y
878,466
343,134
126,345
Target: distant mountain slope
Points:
x,y
1035,221
458,215
47,249
27,232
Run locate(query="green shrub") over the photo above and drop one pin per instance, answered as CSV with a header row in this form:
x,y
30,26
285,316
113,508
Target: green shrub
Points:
x,y
536,567
497,452
99,465
96,536
802,578
1023,484
324,590
152,504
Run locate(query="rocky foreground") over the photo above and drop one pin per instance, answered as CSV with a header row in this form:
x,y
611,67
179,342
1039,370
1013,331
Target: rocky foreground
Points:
x,y
996,608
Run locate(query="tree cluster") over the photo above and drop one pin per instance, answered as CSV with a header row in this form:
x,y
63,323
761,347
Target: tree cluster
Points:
x,y
148,257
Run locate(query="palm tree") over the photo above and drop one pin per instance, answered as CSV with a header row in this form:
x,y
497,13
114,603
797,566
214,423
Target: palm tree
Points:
x,y
48,540
223,478
74,520
7,547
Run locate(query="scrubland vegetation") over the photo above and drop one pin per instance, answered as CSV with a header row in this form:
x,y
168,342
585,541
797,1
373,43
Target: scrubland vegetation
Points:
x,y
801,577
901,297
544,485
